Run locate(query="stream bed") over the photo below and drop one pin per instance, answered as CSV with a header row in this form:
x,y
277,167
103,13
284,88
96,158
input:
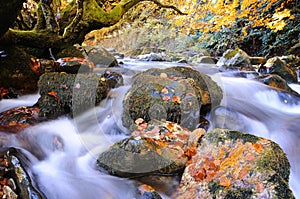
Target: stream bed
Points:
x,y
69,146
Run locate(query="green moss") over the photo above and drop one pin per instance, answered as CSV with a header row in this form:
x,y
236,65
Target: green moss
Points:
x,y
274,159
239,193
220,135
70,93
231,53
214,189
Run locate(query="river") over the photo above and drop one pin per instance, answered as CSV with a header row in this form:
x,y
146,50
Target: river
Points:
x,y
68,147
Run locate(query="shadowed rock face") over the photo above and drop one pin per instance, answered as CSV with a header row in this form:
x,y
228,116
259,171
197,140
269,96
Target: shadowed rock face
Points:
x,y
63,93
158,148
232,164
14,174
177,94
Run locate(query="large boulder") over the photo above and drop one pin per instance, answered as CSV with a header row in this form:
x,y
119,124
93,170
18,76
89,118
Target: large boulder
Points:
x,y
158,148
14,176
178,94
235,59
63,93
232,164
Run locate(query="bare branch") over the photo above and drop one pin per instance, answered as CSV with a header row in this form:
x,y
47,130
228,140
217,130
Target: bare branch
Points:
x,y
169,7
51,23
79,13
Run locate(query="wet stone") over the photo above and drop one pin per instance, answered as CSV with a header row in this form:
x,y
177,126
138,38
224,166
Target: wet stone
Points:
x,y
63,93
177,94
232,164
15,181
17,119
159,148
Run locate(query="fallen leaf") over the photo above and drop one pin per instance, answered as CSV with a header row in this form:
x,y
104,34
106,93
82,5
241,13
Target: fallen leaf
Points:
x,y
225,182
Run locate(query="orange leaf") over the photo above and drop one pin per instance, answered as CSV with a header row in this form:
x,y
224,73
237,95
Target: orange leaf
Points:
x,y
165,91
224,181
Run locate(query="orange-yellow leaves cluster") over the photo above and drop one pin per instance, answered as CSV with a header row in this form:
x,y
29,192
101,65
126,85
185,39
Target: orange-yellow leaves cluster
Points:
x,y
214,15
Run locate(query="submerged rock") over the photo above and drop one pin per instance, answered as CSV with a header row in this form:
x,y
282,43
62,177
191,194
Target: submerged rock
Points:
x,y
235,59
232,164
153,149
63,93
178,94
14,175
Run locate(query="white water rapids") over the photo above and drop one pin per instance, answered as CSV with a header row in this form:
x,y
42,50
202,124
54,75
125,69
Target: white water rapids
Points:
x,y
67,148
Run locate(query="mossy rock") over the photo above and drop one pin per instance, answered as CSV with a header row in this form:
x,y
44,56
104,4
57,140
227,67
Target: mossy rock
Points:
x,y
235,59
138,156
162,99
63,93
178,94
233,164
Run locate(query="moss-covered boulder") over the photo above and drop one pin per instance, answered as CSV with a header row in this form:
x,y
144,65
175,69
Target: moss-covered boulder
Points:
x,y
158,148
14,176
178,94
235,59
63,93
232,164
278,67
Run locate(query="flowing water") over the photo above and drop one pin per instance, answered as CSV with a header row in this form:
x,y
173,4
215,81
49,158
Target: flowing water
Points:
x,y
66,149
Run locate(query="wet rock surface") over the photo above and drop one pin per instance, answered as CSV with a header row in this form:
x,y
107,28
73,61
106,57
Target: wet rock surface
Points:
x,y
278,67
159,148
17,119
235,59
232,164
178,94
63,93
15,179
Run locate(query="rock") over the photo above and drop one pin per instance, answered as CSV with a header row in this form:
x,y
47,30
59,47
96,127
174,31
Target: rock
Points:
x,y
291,61
178,94
145,191
114,79
158,148
99,56
74,65
17,119
232,164
14,175
257,60
275,81
295,49
203,59
63,93
154,57
17,71
7,93
278,67
235,59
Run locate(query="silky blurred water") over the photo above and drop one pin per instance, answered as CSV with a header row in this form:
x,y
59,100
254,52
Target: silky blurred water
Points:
x,y
67,148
